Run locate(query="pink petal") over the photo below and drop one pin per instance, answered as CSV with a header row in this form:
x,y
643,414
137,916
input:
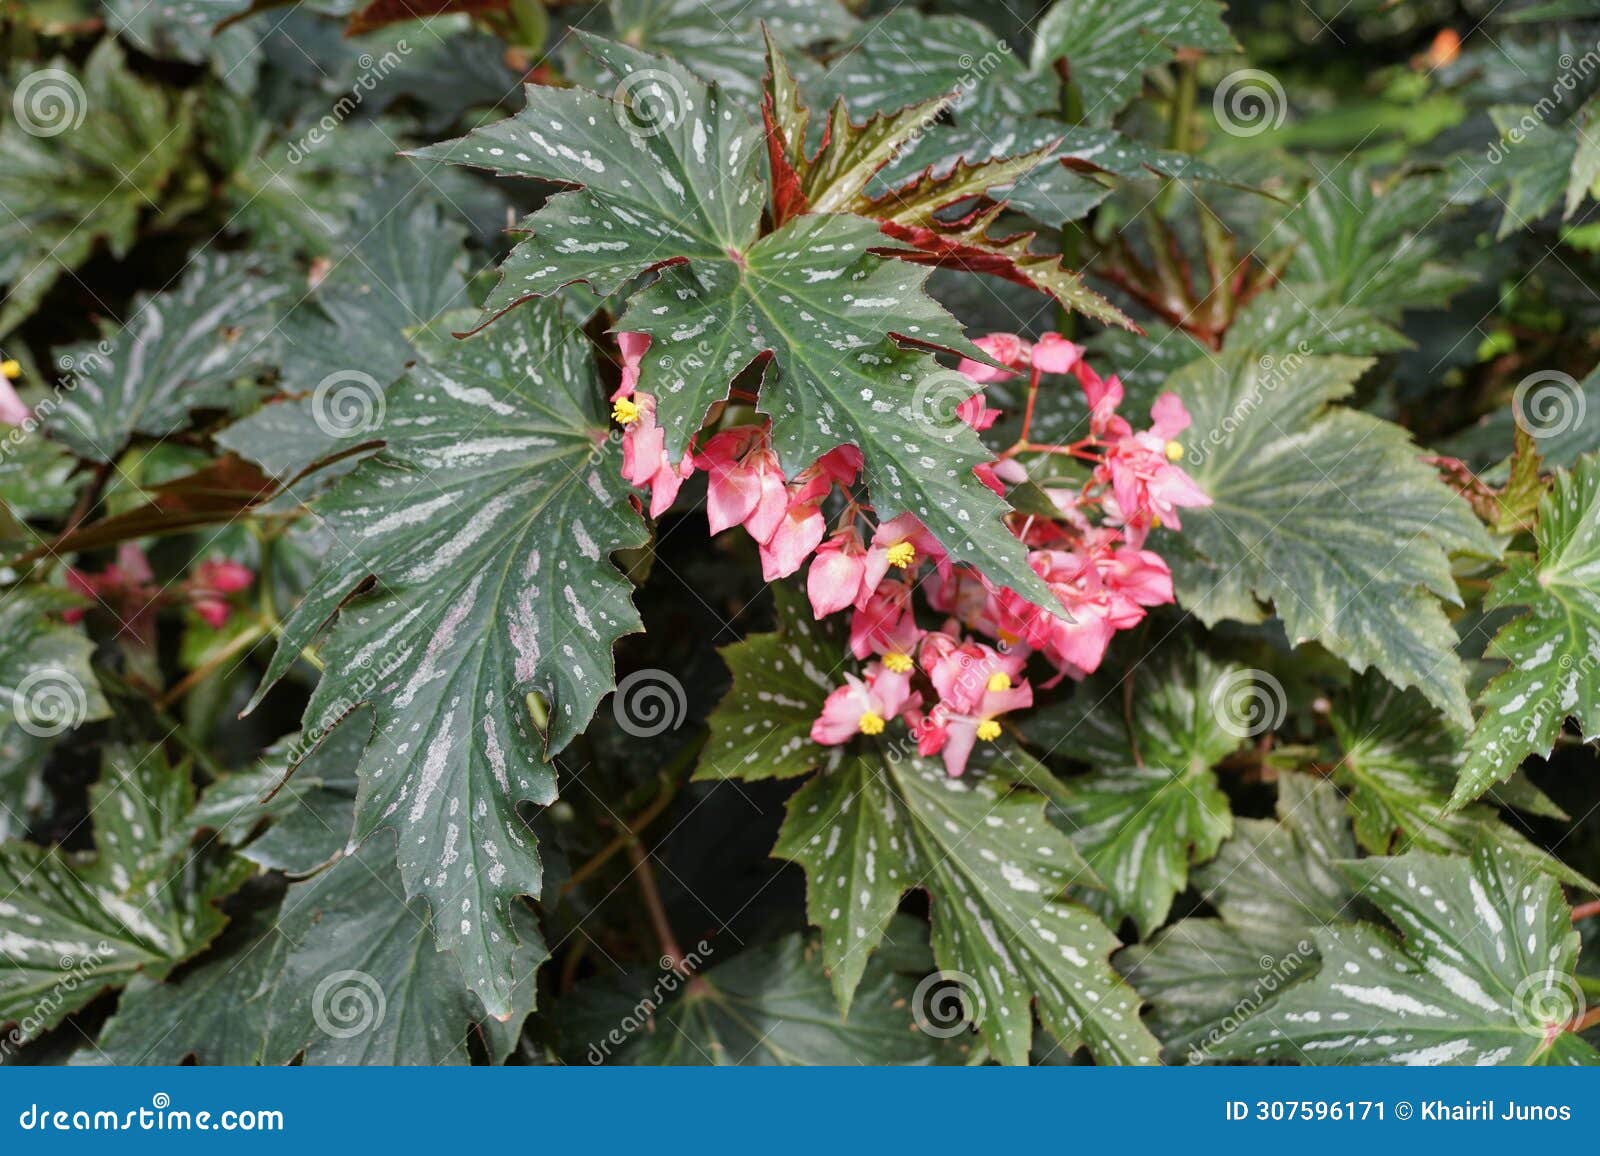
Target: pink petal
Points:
x,y
962,734
1053,353
834,581
771,509
12,411
797,535
1169,417
731,496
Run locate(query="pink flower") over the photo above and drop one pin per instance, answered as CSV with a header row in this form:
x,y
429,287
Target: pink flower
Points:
x,y
801,528
976,413
996,475
1103,587
743,482
632,346
799,532
844,573
12,410
210,584
1006,348
976,683
644,452
222,575
212,611
969,600
839,466
1142,469
905,542
883,624
1053,353
1104,396
127,587
863,706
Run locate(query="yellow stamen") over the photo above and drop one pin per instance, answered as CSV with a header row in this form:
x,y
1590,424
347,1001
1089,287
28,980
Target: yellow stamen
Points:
x,y
898,663
1174,451
999,681
625,411
10,369
901,555
988,730
871,723
1155,521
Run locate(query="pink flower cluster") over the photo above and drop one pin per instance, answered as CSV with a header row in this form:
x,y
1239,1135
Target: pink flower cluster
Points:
x,y
1092,554
129,587
744,483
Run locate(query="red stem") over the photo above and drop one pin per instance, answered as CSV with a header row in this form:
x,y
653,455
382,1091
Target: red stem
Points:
x,y
1586,910
1027,413
1074,450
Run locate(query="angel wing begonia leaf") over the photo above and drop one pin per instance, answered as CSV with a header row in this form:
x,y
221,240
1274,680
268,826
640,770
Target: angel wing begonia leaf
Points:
x,y
1553,648
486,525
668,173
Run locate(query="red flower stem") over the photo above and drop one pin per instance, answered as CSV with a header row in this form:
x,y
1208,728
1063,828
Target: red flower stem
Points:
x,y
1027,413
1586,910
1075,450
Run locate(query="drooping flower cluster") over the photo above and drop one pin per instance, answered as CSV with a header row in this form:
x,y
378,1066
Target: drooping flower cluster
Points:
x,y
744,483
129,588
1092,554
